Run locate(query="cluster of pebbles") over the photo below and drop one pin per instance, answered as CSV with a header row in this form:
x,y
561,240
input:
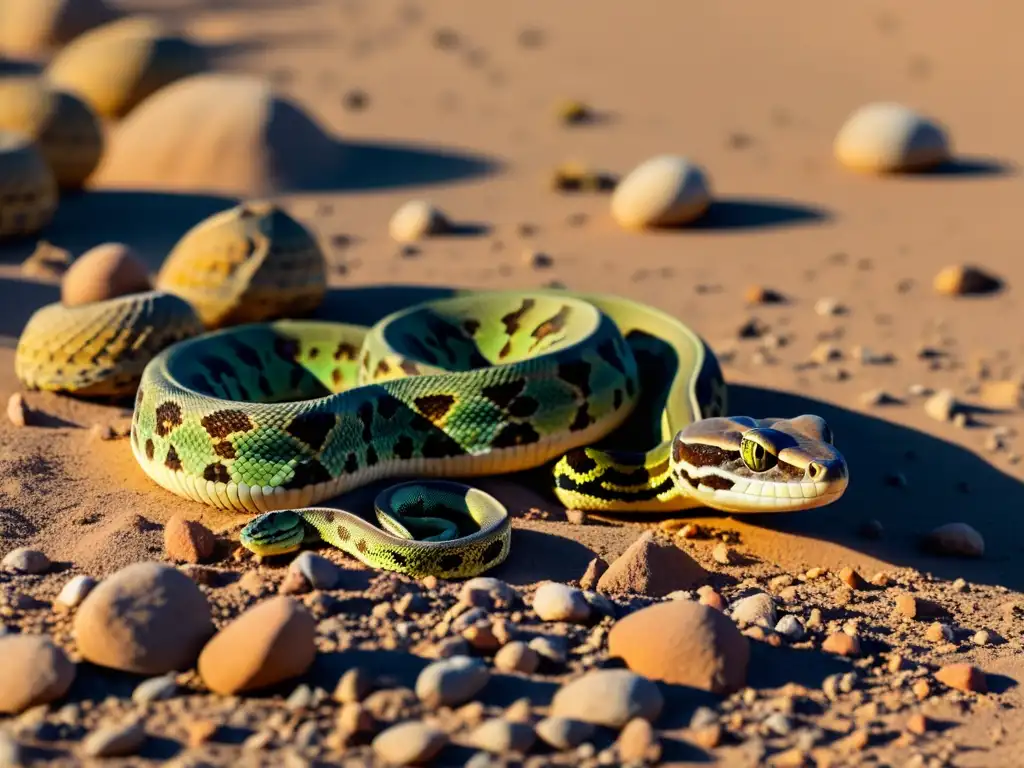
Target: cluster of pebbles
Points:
x,y
672,647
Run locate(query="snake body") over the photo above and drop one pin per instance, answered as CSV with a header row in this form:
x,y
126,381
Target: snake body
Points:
x,y
271,418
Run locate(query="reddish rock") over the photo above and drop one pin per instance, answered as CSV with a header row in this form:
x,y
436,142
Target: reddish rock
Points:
x,y
841,644
963,677
652,569
186,541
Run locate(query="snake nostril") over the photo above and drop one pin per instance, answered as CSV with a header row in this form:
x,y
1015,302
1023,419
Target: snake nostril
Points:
x,y
818,471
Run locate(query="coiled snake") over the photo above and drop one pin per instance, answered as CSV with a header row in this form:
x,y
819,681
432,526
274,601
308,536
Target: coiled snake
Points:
x,y
270,418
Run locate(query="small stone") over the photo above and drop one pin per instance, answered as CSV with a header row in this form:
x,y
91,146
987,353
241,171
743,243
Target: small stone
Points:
x,y
918,608
711,599
564,733
187,541
558,602
115,740
682,643
554,649
34,672
825,353
853,579
841,644
918,724
758,294
708,736
517,656
320,572
17,411
74,591
758,609
353,686
983,637
921,689
942,406
722,554
886,137
501,737
155,689
652,569
104,272
199,732
25,560
663,191
939,633
450,682
573,112
827,307
608,697
409,742
955,539
481,637
147,618
789,626
537,259
595,570
269,643
486,592
778,724
416,220
963,677
960,279
638,743
576,517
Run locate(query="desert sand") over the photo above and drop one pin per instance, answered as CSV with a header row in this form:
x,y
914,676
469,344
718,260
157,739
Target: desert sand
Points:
x,y
457,102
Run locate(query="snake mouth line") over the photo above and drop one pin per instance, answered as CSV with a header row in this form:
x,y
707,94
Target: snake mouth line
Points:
x,y
734,494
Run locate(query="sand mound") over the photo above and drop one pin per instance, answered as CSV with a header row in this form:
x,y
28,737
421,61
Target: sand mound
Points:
x,y
116,66
223,133
65,127
30,27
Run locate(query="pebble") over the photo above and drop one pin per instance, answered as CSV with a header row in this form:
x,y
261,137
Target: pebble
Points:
x,y
885,137
983,637
666,190
320,572
409,743
711,599
187,541
841,644
652,569
11,753
828,307
684,643
155,689
722,554
416,220
789,626
501,736
963,677
756,609
451,682
517,656
942,405
778,724
270,642
17,411
608,697
955,539
353,686
564,732
104,272
960,279
638,743
595,570
938,632
34,671
74,591
918,724
917,607
486,592
558,602
553,648
25,560
115,740
852,579
147,618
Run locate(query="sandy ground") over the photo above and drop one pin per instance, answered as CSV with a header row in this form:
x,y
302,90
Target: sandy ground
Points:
x,y
756,94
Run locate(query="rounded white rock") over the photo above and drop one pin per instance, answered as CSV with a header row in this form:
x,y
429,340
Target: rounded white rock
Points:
x,y
667,190
885,137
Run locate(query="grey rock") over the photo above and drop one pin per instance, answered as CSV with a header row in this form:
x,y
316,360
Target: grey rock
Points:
x,y
609,697
757,609
320,572
564,732
155,689
789,626
451,682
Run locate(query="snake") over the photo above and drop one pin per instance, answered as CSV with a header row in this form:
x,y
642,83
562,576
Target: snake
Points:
x,y
626,401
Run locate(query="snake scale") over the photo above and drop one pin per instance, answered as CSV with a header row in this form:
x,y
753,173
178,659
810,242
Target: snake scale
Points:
x,y
629,403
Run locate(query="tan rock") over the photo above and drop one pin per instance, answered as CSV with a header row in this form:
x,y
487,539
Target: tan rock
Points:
x,y
34,671
652,569
187,541
853,579
638,743
416,220
955,539
410,742
271,642
961,279
884,137
104,272
914,607
608,697
147,618
841,644
963,677
663,191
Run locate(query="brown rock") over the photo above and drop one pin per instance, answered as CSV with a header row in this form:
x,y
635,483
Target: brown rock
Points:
x,y
104,272
841,644
34,671
918,723
955,539
852,578
922,689
685,643
147,618
963,677
271,642
187,541
708,736
652,569
638,743
964,279
595,570
918,608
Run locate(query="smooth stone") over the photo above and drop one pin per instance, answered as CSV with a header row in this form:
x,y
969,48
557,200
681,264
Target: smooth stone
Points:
x,y
886,137
115,740
104,272
320,572
667,190
34,671
148,618
416,220
155,689
268,643
25,560
409,743
608,697
683,642
452,681
789,626
564,732
560,602
517,656
74,592
955,539
502,736
486,592
756,609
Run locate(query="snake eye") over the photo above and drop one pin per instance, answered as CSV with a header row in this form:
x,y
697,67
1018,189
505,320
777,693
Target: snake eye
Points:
x,y
756,456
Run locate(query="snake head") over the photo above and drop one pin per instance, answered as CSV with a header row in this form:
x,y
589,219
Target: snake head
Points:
x,y
274,533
